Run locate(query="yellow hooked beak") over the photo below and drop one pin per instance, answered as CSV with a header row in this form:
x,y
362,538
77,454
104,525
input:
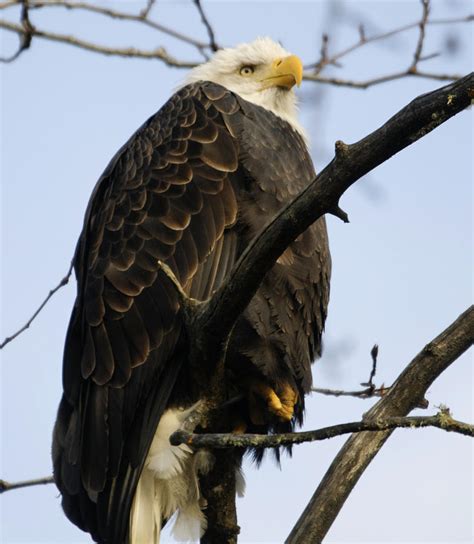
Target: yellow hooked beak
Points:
x,y
284,72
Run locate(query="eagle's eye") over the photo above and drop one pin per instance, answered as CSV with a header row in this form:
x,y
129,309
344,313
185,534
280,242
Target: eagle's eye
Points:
x,y
247,70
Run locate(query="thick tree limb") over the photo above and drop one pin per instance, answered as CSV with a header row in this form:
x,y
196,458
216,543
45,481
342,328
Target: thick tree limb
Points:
x,y
360,449
442,420
216,318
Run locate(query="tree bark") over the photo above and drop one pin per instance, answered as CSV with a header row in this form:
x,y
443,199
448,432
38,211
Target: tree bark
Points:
x,y
218,489
361,448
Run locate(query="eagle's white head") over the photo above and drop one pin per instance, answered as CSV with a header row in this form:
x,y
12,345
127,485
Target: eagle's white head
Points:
x,y
262,72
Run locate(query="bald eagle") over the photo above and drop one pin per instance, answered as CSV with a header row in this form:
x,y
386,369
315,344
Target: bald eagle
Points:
x,y
191,188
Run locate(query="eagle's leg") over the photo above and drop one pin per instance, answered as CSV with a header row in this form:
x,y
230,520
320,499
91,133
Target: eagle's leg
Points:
x,y
280,402
239,426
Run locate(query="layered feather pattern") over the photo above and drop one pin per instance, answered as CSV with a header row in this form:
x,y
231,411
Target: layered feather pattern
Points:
x,y
190,188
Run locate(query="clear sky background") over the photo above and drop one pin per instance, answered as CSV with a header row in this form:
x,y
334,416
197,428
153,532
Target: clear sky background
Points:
x,y
402,267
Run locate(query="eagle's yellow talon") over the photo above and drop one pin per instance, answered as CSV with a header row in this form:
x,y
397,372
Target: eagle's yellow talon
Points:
x,y
281,404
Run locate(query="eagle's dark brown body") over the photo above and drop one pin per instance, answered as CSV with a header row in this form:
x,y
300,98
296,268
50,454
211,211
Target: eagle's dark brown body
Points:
x,y
191,188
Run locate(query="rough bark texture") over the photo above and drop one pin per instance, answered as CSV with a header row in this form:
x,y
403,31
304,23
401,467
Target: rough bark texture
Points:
x,y
361,448
213,321
425,113
442,420
218,488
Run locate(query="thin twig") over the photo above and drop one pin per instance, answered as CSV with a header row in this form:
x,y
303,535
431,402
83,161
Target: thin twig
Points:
x,y
9,486
374,354
367,393
210,31
324,56
308,76
421,36
142,18
364,40
25,37
146,11
160,53
61,284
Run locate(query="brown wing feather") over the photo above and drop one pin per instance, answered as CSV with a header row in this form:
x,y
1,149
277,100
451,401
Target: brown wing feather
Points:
x,y
189,189
165,196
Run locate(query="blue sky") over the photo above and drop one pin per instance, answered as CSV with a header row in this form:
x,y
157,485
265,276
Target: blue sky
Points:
x,y
402,267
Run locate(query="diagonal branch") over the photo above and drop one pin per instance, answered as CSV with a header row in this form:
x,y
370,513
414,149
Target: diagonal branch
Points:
x,y
361,448
210,31
159,53
142,17
9,486
64,281
326,59
215,319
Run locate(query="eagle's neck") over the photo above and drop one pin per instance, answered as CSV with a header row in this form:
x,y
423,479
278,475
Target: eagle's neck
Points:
x,y
279,102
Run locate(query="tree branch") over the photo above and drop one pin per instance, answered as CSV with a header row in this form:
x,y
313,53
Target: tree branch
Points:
x,y
327,60
442,420
215,319
158,54
421,36
210,31
25,36
64,281
26,33
338,82
361,448
141,18
9,486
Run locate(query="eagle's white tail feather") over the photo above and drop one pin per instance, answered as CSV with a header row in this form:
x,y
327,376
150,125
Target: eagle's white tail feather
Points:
x,y
169,483
190,524
145,516
239,482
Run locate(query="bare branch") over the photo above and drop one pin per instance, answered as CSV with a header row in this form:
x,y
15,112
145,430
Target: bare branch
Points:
x,y
217,317
361,448
146,11
364,40
421,36
314,70
9,486
61,284
25,36
142,17
160,53
210,31
338,82
26,33
442,420
324,56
